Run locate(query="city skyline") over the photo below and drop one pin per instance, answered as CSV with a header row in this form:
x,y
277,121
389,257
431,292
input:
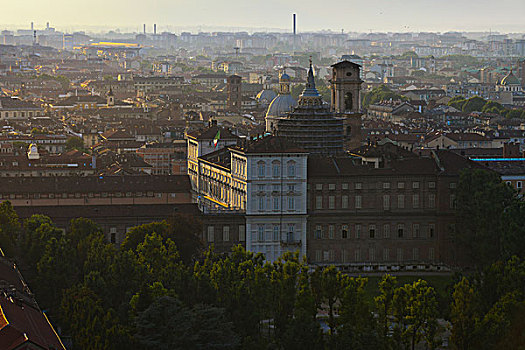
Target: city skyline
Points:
x,y
237,15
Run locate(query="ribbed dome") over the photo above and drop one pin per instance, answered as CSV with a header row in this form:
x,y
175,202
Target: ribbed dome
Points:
x,y
510,79
281,105
266,96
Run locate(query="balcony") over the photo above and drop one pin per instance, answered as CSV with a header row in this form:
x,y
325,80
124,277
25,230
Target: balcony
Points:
x,y
291,242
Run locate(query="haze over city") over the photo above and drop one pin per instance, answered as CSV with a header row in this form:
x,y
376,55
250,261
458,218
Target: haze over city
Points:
x,y
350,15
255,175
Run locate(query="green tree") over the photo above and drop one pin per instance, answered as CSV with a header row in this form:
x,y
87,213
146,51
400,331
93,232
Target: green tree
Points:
x,y
457,102
473,104
167,324
9,229
464,315
358,328
481,201
74,142
384,304
381,93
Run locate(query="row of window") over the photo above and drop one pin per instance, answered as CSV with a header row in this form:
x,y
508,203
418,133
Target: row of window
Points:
x,y
275,203
384,185
226,233
371,231
276,169
83,195
320,202
360,255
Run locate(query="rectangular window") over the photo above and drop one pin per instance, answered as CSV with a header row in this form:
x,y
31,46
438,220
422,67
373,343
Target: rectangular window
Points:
x,y
260,170
358,186
400,185
358,202
260,233
371,254
291,203
318,232
211,233
357,255
431,184
344,202
431,254
326,255
357,230
317,255
331,187
226,233
399,254
415,231
386,202
431,230
331,202
319,187
276,233
319,202
242,233
415,201
432,200
415,184
415,254
331,231
372,231
386,254
275,203
452,201
344,186
400,230
386,185
261,202
386,231
401,201
344,231
452,185
519,185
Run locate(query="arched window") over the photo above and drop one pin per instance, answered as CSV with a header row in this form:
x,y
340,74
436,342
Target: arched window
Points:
x,y
261,169
276,169
291,168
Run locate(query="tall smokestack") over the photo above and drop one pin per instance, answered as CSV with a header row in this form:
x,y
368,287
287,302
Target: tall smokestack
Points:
x,y
144,28
32,26
154,29
294,30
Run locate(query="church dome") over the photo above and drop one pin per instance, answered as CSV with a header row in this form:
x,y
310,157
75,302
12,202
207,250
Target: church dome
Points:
x,y
510,79
266,96
281,105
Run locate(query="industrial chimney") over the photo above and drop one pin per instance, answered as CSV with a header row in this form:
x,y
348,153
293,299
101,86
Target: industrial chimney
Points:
x,y
154,29
294,31
144,28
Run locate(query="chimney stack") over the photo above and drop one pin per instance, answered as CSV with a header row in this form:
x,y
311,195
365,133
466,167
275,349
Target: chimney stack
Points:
x,y
294,30
32,26
154,29
144,28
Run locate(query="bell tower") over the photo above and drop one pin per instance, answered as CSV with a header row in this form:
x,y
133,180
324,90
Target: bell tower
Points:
x,y
346,87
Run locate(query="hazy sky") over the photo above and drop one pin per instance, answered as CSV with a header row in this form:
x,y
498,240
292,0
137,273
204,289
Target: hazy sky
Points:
x,y
350,15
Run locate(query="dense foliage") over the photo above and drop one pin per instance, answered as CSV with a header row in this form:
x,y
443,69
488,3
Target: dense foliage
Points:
x,y
478,104
379,94
159,290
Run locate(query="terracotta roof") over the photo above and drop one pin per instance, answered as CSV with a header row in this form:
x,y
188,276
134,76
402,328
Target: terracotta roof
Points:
x,y
70,184
210,132
15,103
